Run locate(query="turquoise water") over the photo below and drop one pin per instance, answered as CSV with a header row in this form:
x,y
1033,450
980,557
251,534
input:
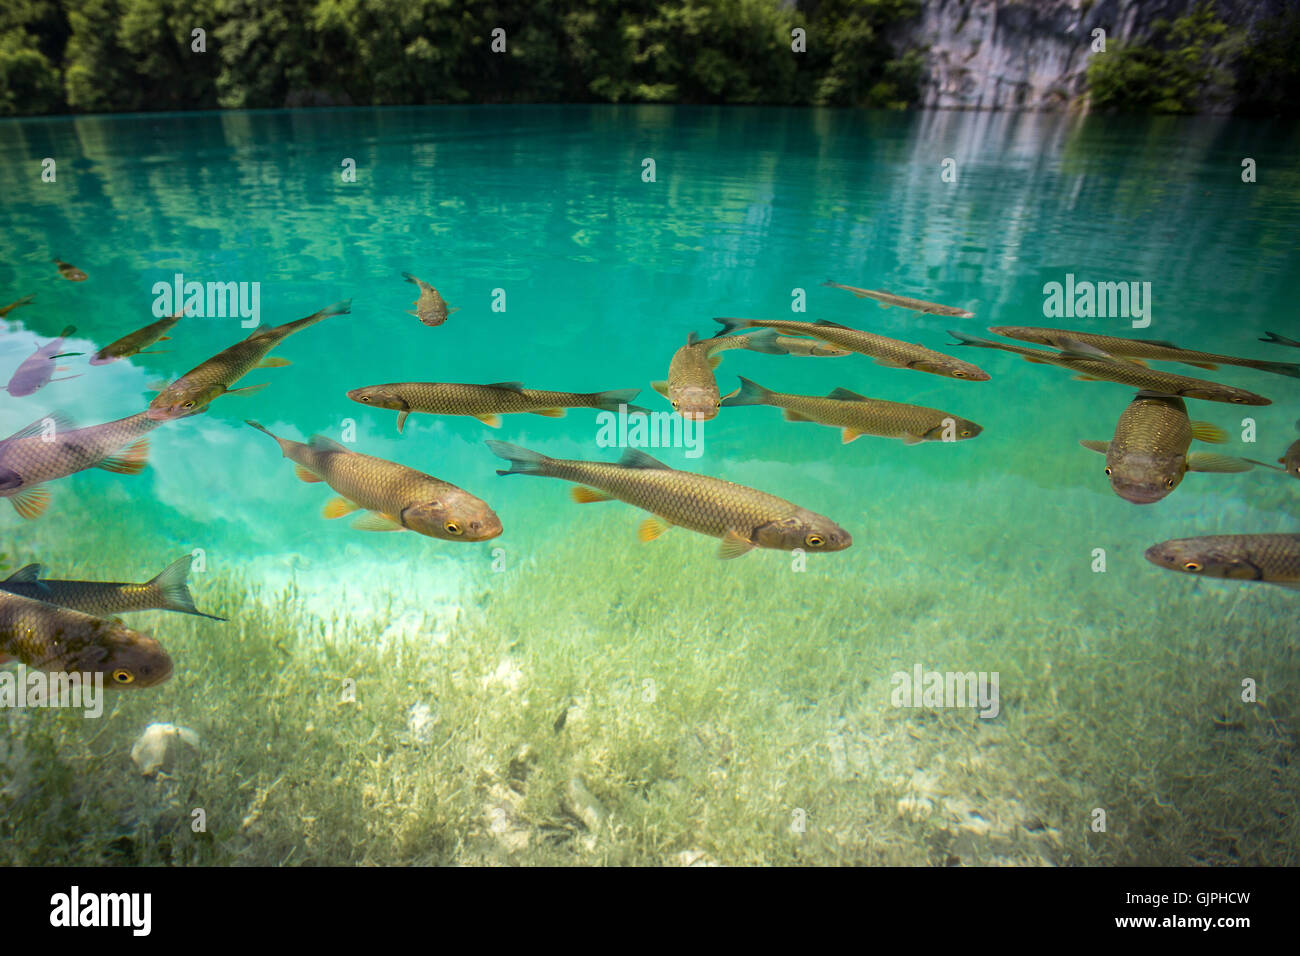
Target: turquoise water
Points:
x,y
604,276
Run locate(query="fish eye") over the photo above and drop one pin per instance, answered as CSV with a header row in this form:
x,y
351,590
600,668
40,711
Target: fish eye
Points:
x,y
958,374
965,433
1169,483
1238,401
674,404
451,527
1191,566
365,398
123,676
814,541
718,404
188,405
1108,472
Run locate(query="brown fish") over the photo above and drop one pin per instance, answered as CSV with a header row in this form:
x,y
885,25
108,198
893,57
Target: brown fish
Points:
x,y
887,299
395,496
59,640
1279,339
1290,460
888,352
1093,365
167,591
1148,456
17,304
1140,349
744,518
429,305
1271,558
135,343
798,345
50,448
69,271
858,415
487,403
691,387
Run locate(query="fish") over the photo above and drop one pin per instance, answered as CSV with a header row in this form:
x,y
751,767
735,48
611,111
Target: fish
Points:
x,y
1092,365
888,352
690,386
858,415
167,591
69,271
1290,459
197,388
744,518
36,371
487,403
50,448
395,497
17,304
1148,456
135,343
887,299
798,345
429,305
1271,558
1140,349
59,640
1279,339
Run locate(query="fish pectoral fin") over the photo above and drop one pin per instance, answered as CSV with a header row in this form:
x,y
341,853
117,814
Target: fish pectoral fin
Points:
x,y
660,387
1205,365
1204,431
791,415
304,475
848,435
549,412
652,528
131,461
585,496
910,439
1099,446
734,546
273,361
891,363
247,389
31,503
715,361
31,574
491,420
1221,464
338,507
377,521
401,419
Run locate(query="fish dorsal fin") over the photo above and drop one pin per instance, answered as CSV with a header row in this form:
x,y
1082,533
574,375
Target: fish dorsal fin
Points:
x,y
61,422
692,338
633,458
510,386
828,324
321,443
28,575
844,395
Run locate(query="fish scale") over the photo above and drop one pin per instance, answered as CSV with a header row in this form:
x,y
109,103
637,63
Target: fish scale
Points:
x,y
1152,425
34,460
1272,558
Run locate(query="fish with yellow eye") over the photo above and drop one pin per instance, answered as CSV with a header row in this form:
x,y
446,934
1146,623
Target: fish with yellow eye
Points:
x,y
59,640
691,387
1269,558
396,498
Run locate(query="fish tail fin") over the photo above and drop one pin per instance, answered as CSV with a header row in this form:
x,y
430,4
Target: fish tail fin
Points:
x,y
522,461
266,431
764,340
1280,368
964,339
730,325
171,583
410,278
612,399
751,393
1279,339
67,330
342,307
25,300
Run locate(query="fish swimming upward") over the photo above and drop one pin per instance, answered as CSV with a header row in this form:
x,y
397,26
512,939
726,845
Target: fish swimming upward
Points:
x,y
886,299
165,592
1140,349
50,448
1148,456
196,389
691,387
886,351
1279,339
38,368
134,343
1093,365
487,403
744,518
395,496
858,415
17,304
429,305
1271,558
1290,460
69,271
59,640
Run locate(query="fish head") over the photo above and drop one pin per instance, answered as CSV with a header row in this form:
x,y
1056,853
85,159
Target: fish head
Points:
x,y
1225,393
453,517
1145,478
952,368
695,402
1202,556
181,399
804,530
100,358
380,396
128,659
961,430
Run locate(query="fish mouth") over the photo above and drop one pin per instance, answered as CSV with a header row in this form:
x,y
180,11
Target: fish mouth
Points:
x,y
698,416
1155,555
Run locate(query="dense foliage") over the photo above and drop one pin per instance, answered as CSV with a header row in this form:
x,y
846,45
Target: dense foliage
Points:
x,y
100,55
